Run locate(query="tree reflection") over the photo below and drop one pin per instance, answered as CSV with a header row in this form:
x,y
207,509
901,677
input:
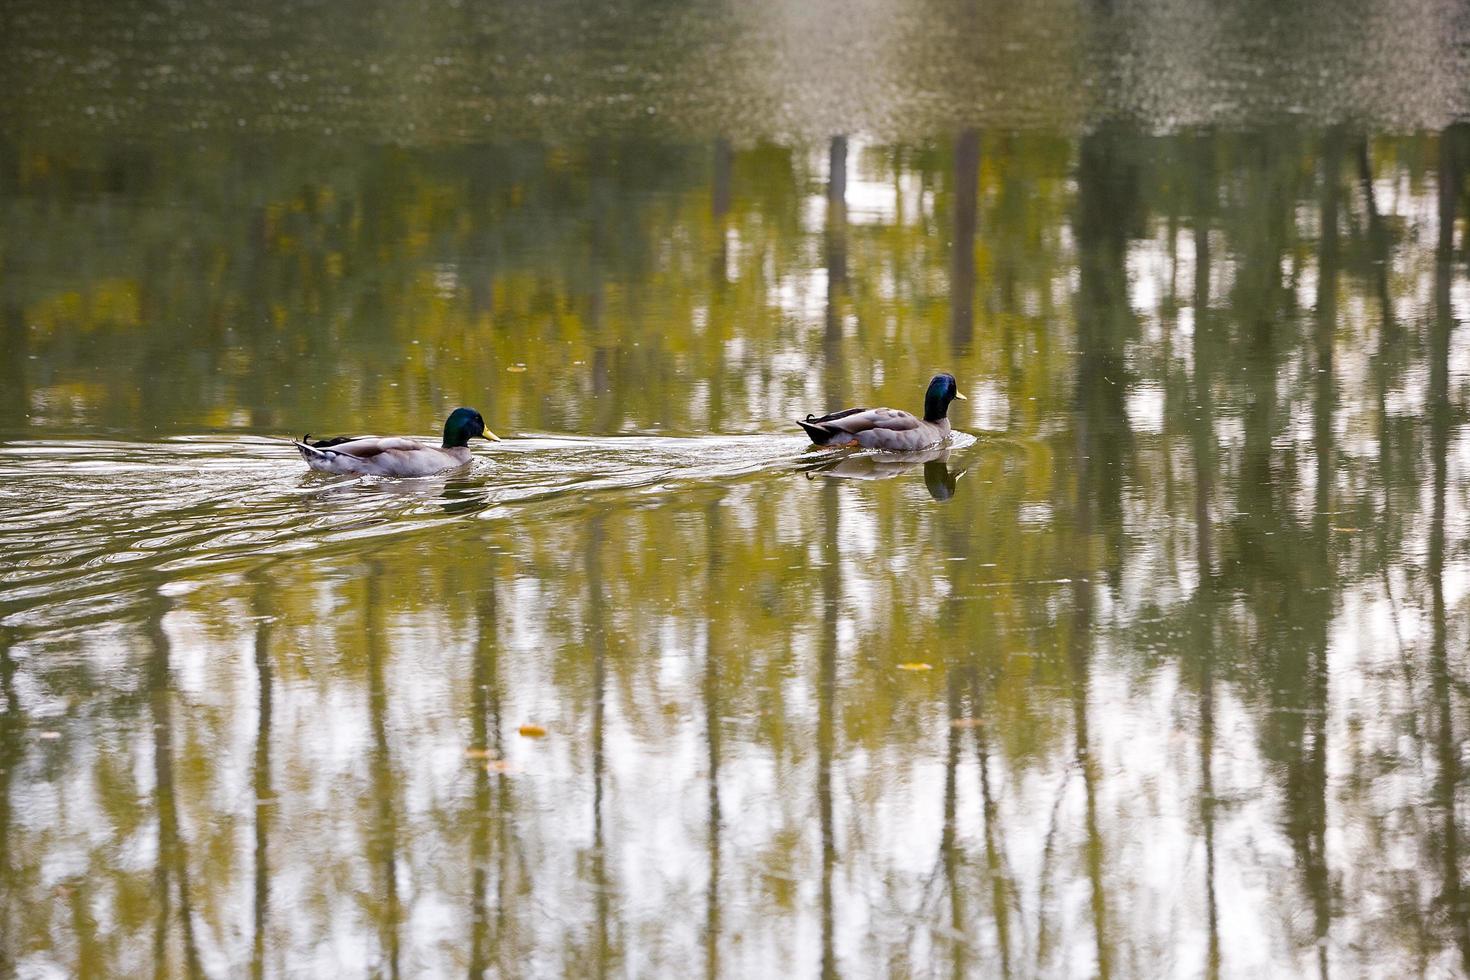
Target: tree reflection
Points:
x,y
383,843
1107,200
262,786
720,198
1107,211
491,808
949,854
826,693
12,734
172,874
14,340
1453,899
713,710
1307,774
830,576
601,883
1001,886
1204,452
962,261
836,262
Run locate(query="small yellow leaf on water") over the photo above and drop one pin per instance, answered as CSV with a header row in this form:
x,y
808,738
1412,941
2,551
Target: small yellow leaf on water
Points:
x,y
1347,530
967,722
532,731
502,767
479,753
516,368
915,666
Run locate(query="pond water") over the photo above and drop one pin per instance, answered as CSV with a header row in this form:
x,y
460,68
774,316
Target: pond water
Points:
x,y
1159,669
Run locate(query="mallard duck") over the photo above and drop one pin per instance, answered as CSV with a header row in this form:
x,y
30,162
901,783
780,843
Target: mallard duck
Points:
x,y
888,428
396,456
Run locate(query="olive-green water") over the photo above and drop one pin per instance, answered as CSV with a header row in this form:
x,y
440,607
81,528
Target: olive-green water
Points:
x,y
1160,670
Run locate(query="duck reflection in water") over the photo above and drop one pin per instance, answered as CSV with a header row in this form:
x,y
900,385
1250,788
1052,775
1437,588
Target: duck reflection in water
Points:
x,y
940,480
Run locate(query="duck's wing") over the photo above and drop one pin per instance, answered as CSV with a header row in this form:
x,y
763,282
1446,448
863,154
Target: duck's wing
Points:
x,y
845,426
893,420
368,447
374,456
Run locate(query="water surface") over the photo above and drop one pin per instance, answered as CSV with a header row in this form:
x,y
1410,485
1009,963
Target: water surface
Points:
x,y
1158,670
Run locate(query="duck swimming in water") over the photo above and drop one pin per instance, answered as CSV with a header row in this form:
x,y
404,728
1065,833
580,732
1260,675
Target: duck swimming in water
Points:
x,y
397,456
889,428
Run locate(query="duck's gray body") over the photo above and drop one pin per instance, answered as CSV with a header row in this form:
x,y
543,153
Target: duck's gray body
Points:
x,y
392,456
889,428
876,428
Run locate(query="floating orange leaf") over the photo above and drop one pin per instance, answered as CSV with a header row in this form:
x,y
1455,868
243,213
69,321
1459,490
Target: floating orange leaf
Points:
x,y
479,753
915,666
532,731
967,722
501,767
516,368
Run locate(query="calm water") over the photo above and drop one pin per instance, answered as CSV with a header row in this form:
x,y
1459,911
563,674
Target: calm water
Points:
x,y
1160,670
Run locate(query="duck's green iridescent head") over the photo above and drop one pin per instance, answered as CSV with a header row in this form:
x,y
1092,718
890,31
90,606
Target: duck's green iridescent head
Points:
x,y
463,425
942,391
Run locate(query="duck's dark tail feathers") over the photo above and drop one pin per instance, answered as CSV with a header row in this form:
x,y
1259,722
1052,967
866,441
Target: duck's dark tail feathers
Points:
x,y
324,443
820,436
308,450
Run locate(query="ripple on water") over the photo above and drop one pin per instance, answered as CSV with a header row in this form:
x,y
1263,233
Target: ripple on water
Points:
x,y
93,520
